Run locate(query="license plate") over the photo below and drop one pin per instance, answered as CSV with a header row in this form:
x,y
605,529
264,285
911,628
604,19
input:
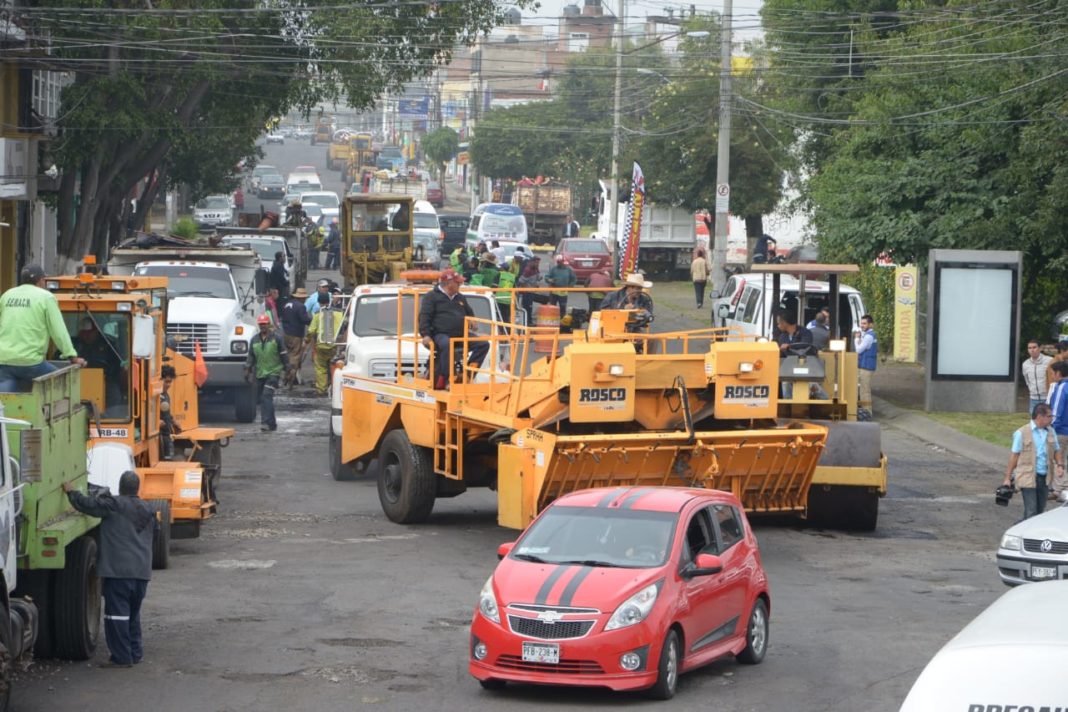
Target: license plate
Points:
x,y
541,653
1043,572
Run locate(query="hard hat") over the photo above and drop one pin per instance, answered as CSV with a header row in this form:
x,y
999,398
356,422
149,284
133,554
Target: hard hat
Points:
x,y
263,319
450,275
560,259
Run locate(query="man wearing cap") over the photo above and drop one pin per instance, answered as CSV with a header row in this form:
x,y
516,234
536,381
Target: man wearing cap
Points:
x,y
295,320
29,319
441,318
124,563
266,360
312,302
488,274
561,275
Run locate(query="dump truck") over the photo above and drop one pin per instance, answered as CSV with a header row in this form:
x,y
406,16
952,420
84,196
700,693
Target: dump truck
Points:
x,y
376,237
19,617
324,130
57,545
545,207
118,325
603,407
668,236
214,296
414,188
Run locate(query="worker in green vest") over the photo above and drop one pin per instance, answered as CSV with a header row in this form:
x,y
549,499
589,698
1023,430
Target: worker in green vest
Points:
x,y
267,356
506,281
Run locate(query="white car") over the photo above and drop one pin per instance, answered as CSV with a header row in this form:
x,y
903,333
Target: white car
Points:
x,y
988,666
327,200
1035,549
275,138
426,231
213,211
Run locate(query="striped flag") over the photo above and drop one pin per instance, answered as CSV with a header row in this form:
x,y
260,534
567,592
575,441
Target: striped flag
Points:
x,y
632,231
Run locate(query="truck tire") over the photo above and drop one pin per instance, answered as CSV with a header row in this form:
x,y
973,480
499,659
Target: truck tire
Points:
x,y
245,403
161,542
342,472
7,659
406,484
76,610
37,586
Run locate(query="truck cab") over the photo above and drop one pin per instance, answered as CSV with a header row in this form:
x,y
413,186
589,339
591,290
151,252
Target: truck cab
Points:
x,y
208,306
371,340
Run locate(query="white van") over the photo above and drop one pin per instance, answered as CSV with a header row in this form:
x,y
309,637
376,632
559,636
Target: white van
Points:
x,y
745,303
303,183
1011,657
497,221
327,200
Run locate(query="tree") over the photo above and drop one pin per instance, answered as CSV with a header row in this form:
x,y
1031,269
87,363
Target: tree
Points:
x,y
180,94
440,147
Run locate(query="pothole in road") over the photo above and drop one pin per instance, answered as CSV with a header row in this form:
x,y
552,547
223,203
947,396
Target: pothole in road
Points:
x,y
448,624
900,533
360,642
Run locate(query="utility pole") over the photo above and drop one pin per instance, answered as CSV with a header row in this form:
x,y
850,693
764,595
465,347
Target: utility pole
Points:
x,y
723,153
476,107
613,207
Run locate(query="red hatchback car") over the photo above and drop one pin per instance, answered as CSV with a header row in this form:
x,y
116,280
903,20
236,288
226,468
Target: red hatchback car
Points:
x,y
623,588
586,255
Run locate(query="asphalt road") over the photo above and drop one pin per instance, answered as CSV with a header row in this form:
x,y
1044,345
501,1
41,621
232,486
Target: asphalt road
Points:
x,y
300,594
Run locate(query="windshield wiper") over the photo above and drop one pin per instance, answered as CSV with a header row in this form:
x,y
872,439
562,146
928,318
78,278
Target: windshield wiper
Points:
x,y
194,294
531,558
377,330
592,562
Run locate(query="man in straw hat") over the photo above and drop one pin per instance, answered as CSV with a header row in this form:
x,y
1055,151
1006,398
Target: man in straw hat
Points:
x,y
295,320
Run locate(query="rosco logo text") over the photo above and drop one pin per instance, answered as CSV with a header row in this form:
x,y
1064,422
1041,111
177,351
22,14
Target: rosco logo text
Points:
x,y
602,395
746,392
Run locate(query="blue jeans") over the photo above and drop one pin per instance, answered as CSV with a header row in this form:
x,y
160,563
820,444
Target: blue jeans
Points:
x,y
11,376
1034,498
122,618
267,388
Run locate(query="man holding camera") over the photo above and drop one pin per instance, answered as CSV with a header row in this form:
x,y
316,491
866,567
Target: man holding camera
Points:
x,y
1035,452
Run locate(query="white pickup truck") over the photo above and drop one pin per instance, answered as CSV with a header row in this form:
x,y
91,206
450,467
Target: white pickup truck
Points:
x,y
371,347
215,295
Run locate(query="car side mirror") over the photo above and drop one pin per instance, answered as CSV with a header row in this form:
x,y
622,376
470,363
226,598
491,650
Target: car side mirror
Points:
x,y
724,311
504,549
261,281
703,565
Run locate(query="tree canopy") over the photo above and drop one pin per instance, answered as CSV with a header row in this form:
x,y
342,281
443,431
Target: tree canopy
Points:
x,y
440,146
181,93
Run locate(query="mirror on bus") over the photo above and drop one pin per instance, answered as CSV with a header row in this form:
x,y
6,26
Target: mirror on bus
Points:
x,y
144,336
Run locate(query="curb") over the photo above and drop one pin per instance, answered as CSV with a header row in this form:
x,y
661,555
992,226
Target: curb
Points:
x,y
935,433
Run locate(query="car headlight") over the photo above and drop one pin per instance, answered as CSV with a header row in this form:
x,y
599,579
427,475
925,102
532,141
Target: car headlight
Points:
x,y
635,609
487,602
239,347
1010,542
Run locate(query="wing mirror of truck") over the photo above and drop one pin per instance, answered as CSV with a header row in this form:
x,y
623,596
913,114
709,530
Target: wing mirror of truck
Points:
x,y
144,336
724,311
261,282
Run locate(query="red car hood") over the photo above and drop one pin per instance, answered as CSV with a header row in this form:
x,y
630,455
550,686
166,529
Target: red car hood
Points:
x,y
598,587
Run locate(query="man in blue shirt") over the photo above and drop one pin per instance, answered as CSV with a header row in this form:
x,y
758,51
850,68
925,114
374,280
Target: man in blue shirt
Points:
x,y
1058,403
312,302
1033,446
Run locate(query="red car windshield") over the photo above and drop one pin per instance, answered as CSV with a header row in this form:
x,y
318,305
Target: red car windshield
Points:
x,y
594,536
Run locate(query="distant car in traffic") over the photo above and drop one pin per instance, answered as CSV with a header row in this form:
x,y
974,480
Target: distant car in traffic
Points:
x,y
275,138
272,186
435,194
258,172
302,132
1035,549
625,588
212,211
454,228
329,201
507,248
586,255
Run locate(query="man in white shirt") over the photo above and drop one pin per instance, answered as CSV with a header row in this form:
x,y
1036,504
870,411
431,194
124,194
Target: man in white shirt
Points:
x,y
1034,373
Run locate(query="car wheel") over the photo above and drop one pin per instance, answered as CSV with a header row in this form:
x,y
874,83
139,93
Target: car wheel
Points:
x,y
756,635
667,678
493,685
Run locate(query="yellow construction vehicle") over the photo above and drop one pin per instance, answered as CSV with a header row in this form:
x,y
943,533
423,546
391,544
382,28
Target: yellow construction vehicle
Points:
x,y
376,237
603,407
118,325
850,477
360,163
